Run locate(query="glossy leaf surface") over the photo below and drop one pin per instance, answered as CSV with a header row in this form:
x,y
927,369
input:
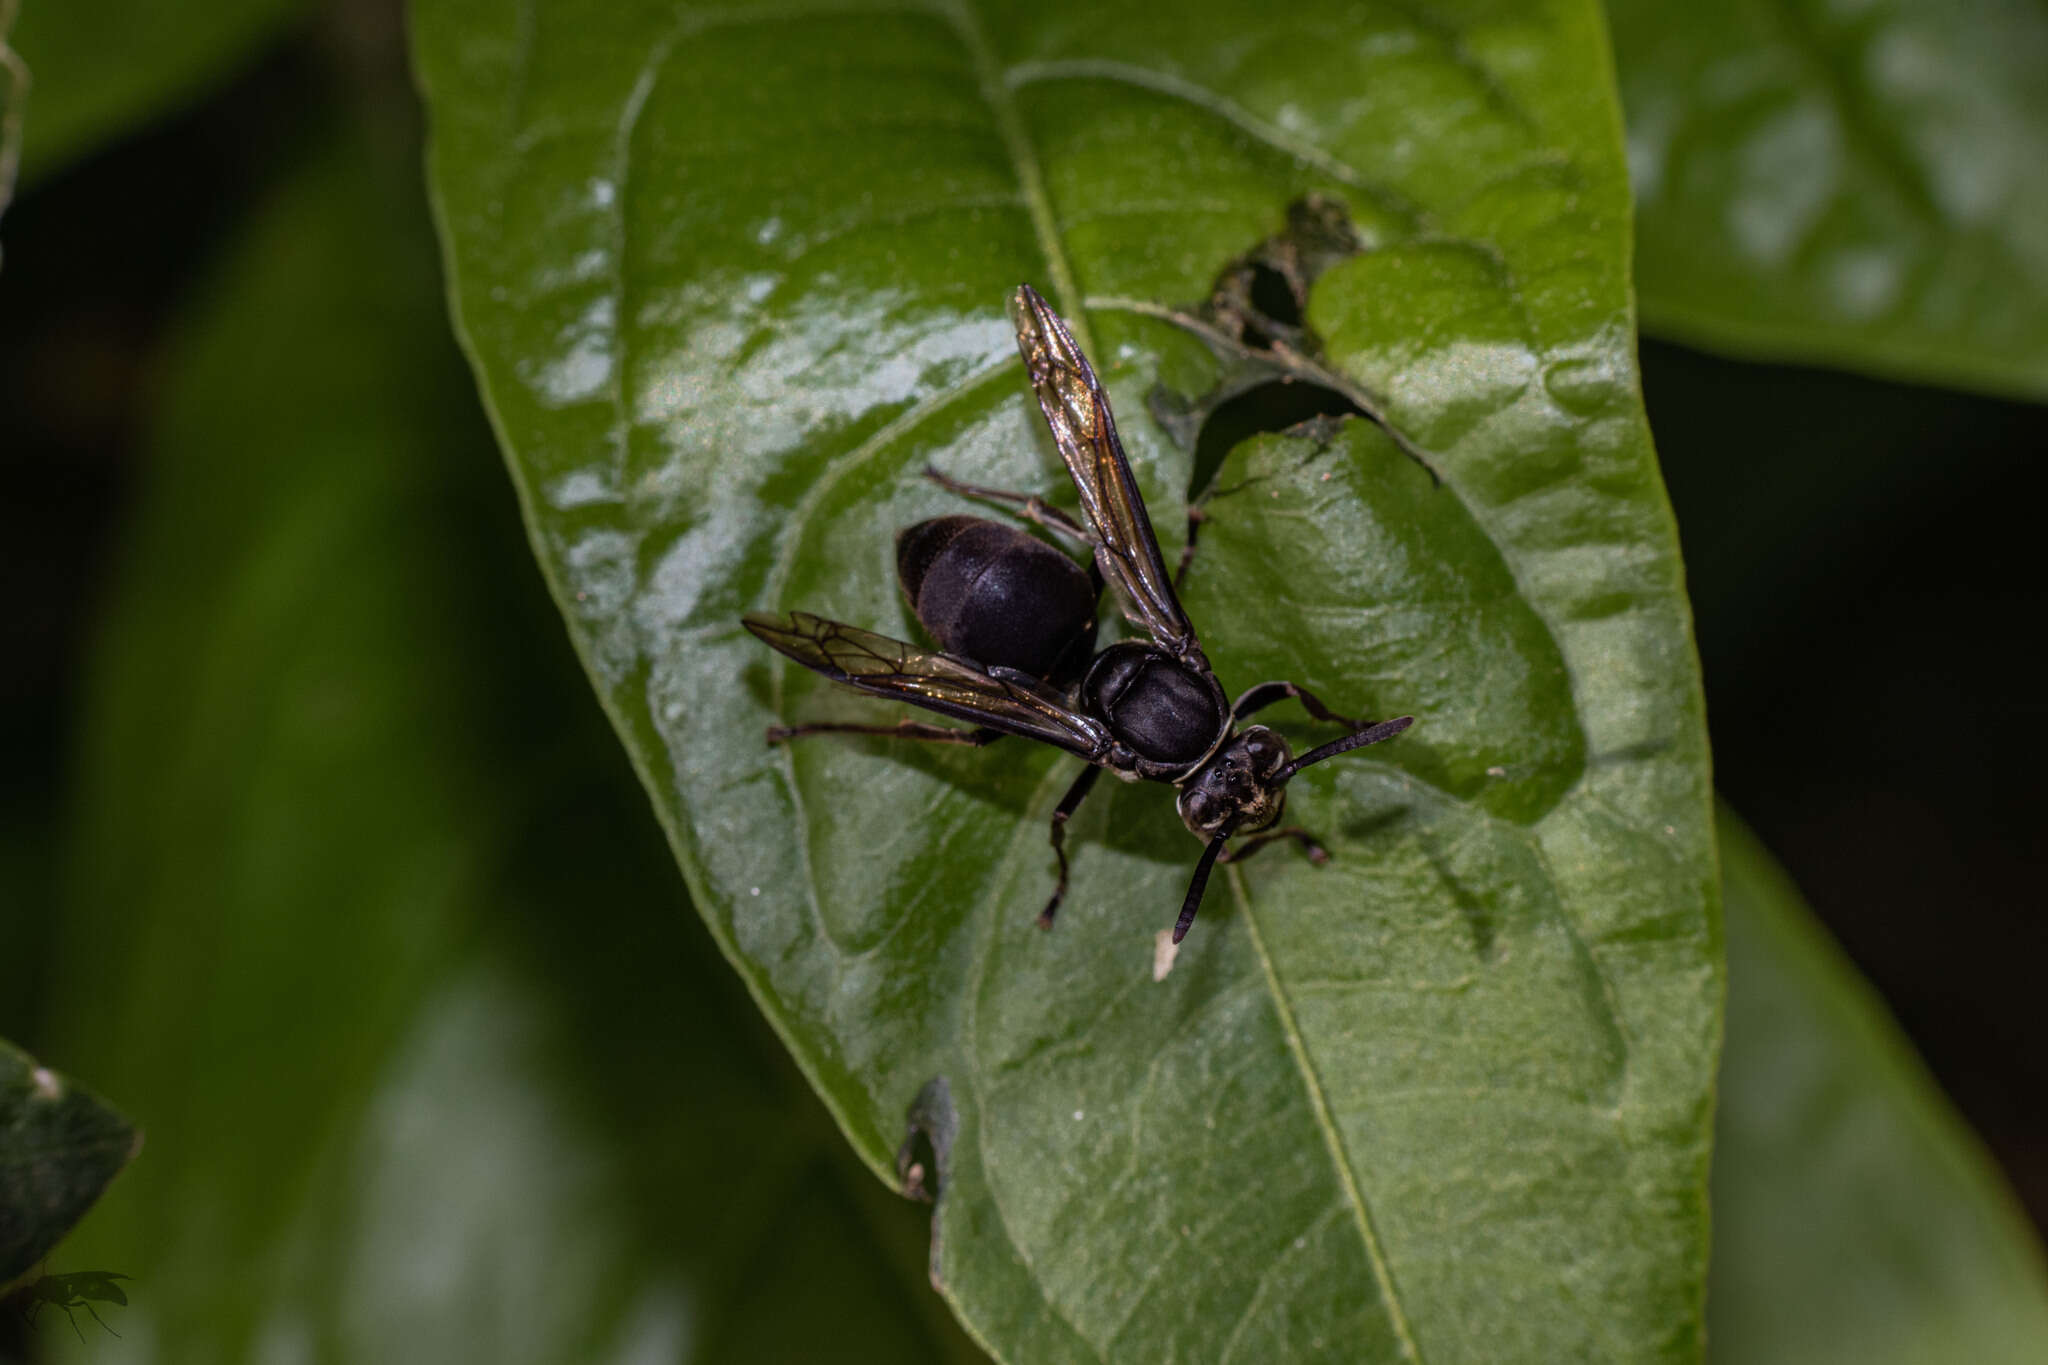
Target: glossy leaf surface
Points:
x,y
1849,184
103,67
1855,1217
730,278
371,925
60,1145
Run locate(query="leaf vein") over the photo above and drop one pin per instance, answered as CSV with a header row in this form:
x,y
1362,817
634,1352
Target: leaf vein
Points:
x,y
840,465
1055,778
1221,106
932,209
1266,1281
1881,148
1198,1237
1375,1253
1024,160
622,166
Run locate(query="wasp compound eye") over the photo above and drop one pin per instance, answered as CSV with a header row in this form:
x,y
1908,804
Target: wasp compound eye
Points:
x,y
1266,750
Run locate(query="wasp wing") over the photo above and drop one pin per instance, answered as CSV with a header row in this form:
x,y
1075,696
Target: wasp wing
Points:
x,y
952,686
1082,427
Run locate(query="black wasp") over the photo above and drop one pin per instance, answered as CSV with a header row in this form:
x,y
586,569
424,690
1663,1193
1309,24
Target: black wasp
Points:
x,y
1016,621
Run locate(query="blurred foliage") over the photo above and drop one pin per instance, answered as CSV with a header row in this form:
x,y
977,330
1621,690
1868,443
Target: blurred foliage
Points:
x,y
14,82
1854,184
103,67
362,914
368,921
1855,1218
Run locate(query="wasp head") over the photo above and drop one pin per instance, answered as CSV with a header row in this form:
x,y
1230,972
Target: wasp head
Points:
x,y
1240,789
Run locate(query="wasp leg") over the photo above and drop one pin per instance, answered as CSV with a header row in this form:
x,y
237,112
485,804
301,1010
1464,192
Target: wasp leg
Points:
x,y
1196,516
1317,854
96,1318
1030,507
1266,693
1069,803
902,729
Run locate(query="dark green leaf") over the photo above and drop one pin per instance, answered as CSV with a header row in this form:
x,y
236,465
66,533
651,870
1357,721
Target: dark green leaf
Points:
x,y
14,83
371,922
103,67
1855,1217
731,277
59,1147
1859,186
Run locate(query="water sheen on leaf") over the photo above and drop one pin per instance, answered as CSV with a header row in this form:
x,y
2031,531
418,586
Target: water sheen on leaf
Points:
x,y
1855,185
731,278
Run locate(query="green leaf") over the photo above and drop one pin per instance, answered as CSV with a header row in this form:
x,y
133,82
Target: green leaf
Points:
x,y
730,278
1857,186
1855,1216
371,923
60,1146
101,68
13,95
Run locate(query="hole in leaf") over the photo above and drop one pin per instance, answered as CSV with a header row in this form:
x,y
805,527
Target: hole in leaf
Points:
x,y
1275,405
1271,374
923,1159
1273,296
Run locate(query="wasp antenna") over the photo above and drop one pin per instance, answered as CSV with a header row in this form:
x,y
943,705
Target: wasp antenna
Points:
x,y
1198,886
1371,734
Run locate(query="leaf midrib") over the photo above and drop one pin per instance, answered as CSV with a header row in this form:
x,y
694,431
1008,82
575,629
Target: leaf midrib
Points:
x,y
995,91
1383,1274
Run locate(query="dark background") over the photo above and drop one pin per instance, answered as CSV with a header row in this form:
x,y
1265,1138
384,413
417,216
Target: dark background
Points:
x,y
1863,557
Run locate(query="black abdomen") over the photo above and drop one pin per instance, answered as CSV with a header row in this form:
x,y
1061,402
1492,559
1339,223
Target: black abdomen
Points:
x,y
993,594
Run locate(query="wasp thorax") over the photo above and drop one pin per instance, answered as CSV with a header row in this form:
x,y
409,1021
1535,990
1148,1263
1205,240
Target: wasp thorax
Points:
x,y
1236,789
1155,703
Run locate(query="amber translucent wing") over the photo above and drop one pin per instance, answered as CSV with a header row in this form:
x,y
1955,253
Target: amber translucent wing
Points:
x,y
1125,549
952,686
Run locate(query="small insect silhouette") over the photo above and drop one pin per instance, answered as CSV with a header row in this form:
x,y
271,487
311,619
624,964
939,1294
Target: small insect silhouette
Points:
x,y
1015,622
79,1289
